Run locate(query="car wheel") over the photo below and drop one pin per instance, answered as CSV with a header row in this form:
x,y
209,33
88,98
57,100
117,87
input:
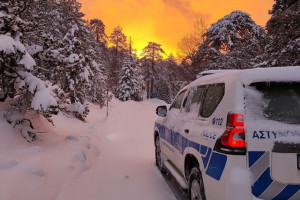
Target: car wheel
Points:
x,y
158,159
196,187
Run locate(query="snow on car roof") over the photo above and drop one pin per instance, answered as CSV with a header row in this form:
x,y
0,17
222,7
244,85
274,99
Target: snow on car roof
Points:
x,y
248,76
276,74
210,72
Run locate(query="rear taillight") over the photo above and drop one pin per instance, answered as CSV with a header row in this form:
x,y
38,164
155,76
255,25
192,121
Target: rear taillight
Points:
x,y
234,135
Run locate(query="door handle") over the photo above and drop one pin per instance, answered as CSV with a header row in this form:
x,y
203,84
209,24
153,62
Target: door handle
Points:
x,y
187,131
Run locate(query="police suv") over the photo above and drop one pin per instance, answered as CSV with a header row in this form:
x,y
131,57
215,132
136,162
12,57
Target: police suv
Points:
x,y
234,135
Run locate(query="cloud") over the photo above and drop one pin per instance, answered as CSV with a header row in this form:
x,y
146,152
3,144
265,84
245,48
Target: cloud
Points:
x,y
184,7
167,21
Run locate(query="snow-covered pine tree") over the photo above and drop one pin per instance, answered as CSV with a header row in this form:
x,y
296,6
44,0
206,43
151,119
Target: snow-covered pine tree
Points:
x,y
97,55
65,34
74,77
138,81
129,84
232,42
284,28
97,91
25,91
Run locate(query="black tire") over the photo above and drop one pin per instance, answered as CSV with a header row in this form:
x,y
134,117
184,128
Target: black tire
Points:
x,y
158,159
196,186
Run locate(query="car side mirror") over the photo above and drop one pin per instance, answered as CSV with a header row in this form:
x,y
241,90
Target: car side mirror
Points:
x,y
161,111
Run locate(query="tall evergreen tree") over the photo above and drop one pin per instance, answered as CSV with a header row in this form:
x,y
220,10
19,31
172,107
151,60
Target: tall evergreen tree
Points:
x,y
27,92
284,30
98,89
118,42
98,28
67,54
129,84
232,42
153,53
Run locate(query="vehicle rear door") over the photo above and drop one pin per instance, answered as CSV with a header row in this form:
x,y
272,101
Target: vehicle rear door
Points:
x,y
272,121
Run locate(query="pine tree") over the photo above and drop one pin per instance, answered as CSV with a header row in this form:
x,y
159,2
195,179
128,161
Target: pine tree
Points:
x,y
97,91
152,53
27,92
118,40
232,42
98,29
283,27
129,84
67,54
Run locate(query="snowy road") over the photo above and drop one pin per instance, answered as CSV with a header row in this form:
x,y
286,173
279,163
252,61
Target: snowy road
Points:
x,y
107,158
125,168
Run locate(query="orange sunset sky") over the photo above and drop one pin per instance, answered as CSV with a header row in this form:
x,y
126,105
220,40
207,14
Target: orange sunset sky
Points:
x,y
167,21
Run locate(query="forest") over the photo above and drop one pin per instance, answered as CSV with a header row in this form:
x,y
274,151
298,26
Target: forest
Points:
x,y
52,60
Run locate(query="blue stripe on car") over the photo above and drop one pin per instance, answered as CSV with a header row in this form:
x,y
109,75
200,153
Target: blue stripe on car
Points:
x,y
264,181
205,158
216,165
287,192
214,162
254,156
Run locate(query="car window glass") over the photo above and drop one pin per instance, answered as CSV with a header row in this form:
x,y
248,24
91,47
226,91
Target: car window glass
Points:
x,y
212,99
185,99
177,102
194,99
281,101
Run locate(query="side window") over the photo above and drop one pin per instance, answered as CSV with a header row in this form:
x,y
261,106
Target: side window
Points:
x,y
177,102
185,99
213,97
194,99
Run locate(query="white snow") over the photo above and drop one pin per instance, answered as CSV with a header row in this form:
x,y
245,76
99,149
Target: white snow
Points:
x,y
27,61
3,14
276,74
7,44
248,76
73,58
85,74
105,158
43,97
76,107
34,49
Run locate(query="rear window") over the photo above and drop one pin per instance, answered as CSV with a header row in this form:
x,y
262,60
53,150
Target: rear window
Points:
x,y
281,101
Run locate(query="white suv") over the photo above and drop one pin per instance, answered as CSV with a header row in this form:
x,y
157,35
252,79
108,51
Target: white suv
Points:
x,y
234,135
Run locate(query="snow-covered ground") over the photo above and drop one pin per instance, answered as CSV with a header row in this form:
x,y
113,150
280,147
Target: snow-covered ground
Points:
x,y
106,158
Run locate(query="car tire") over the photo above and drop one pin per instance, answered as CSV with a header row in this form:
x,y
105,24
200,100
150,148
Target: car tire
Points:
x,y
158,158
196,186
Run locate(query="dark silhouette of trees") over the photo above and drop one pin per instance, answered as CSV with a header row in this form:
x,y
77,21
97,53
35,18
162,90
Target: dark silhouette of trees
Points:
x,y
152,52
118,40
98,28
118,43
